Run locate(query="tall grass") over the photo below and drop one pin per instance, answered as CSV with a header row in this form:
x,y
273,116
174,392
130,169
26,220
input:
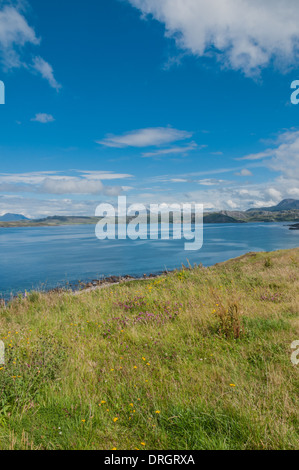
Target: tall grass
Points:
x,y
198,359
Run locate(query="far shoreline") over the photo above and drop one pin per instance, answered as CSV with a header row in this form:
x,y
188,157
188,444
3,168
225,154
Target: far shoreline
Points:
x,y
79,287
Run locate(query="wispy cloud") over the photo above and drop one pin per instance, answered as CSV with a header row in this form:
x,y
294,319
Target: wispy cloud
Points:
x,y
258,156
46,71
212,182
192,176
182,150
58,183
178,180
37,208
149,137
15,35
104,175
245,35
72,186
244,172
283,156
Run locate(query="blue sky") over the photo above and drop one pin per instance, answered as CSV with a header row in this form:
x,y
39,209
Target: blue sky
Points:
x,y
162,101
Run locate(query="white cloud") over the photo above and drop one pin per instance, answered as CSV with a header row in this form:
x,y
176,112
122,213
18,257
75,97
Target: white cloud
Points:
x,y
274,194
178,180
244,172
46,71
283,157
184,150
26,178
43,118
211,182
219,194
15,33
71,186
38,208
245,35
104,175
294,192
59,184
77,186
152,136
257,156
15,36
231,204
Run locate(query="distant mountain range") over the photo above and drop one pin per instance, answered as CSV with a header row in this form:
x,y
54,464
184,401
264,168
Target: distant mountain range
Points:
x,y
286,211
285,205
12,217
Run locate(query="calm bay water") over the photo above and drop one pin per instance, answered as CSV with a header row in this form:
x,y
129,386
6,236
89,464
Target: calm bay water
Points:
x,y
47,257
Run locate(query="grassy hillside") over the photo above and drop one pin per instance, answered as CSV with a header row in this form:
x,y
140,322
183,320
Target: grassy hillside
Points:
x,y
198,359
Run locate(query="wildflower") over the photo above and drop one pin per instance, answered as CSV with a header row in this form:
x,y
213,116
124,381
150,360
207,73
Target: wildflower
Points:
x,y
135,367
158,412
115,419
131,404
142,443
83,420
114,448
232,385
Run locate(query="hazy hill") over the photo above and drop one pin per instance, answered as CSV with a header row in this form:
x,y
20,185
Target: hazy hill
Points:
x,y
285,205
12,217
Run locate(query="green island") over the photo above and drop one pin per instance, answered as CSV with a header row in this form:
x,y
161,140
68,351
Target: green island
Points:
x,y
196,359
